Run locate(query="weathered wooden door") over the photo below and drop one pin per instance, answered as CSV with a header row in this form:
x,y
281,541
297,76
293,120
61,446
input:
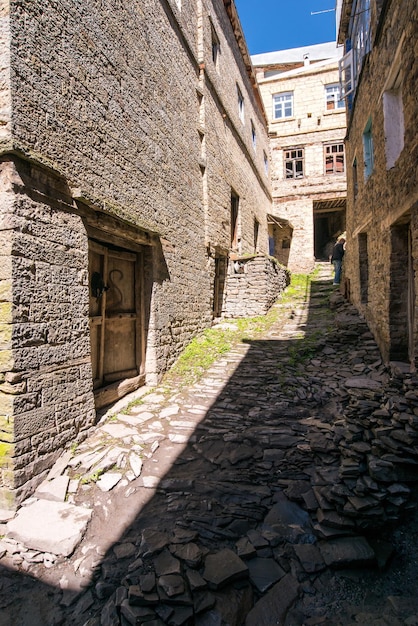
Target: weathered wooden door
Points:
x,y
115,321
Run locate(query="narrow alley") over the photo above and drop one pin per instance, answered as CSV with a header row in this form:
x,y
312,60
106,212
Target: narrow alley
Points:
x,y
279,489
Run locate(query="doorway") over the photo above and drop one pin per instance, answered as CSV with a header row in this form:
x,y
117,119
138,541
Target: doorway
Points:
x,y
116,321
329,223
221,263
402,295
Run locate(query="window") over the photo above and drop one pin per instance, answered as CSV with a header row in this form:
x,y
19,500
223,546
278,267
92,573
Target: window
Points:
x,y
368,150
363,267
358,46
394,124
360,34
266,163
253,136
355,178
293,162
282,105
334,158
256,232
333,98
240,104
216,46
345,67
234,220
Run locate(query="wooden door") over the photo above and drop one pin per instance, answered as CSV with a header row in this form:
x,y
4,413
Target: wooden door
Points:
x,y
115,321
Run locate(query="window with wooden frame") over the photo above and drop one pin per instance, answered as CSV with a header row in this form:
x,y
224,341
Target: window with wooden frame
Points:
x,y
333,98
293,163
334,158
368,149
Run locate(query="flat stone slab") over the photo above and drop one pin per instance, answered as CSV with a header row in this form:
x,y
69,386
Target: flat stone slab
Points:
x,y
106,482
55,489
119,431
223,567
310,558
49,526
362,383
347,551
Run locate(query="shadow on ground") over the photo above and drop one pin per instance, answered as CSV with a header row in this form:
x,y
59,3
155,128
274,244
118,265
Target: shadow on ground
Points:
x,y
233,523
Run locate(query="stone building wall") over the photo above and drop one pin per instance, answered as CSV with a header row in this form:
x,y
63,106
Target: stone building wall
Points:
x,y
233,161
381,257
117,133
310,127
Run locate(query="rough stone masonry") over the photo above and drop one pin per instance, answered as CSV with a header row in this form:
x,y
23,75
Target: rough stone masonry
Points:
x,y
125,160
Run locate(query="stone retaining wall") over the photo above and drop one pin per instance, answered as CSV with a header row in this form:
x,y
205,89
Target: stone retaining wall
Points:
x,y
252,286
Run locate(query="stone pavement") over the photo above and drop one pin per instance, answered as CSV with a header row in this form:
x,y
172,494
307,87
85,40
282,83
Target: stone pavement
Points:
x,y
271,492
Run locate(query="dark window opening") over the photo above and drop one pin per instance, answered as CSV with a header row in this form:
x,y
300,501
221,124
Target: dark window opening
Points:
x,y
364,267
256,232
234,220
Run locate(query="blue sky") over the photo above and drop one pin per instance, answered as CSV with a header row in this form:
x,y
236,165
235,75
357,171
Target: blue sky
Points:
x,y
280,24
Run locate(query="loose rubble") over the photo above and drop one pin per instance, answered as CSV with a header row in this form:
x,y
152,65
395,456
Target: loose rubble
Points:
x,y
239,500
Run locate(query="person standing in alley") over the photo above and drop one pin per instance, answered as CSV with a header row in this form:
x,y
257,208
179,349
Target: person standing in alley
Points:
x,y
337,259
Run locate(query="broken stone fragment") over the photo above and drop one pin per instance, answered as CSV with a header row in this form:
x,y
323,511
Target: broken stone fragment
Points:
x,y
53,489
172,584
109,480
223,567
136,614
165,563
290,520
153,541
124,550
190,553
310,558
182,535
245,548
195,580
137,597
147,582
136,464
